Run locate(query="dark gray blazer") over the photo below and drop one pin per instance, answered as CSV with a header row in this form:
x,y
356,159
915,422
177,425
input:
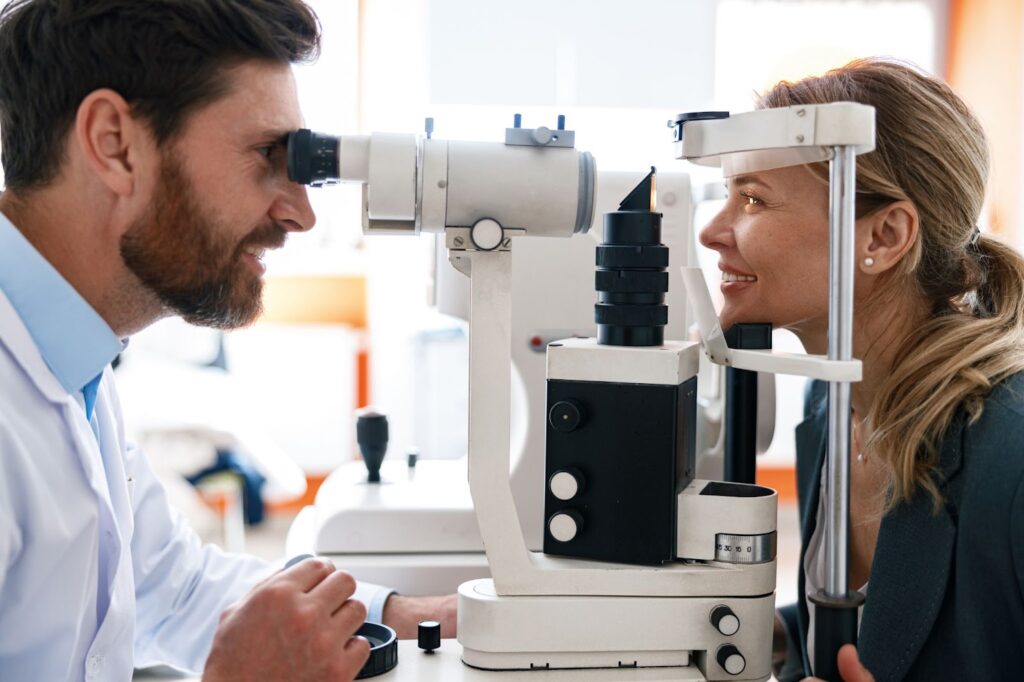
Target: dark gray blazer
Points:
x,y
945,598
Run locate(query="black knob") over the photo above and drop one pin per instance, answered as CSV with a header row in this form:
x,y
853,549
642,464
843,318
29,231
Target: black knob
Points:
x,y
372,436
566,416
731,660
725,621
429,636
383,649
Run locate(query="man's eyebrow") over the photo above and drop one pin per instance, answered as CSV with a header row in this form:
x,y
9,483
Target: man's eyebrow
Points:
x,y
749,180
278,136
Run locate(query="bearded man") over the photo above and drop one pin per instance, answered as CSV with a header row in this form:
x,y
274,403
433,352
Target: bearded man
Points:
x,y
145,177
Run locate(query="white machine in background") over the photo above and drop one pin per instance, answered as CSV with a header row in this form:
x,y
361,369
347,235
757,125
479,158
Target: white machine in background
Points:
x,y
695,597
417,531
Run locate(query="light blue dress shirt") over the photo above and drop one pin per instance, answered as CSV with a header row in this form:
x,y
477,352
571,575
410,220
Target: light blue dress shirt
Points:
x,y
97,572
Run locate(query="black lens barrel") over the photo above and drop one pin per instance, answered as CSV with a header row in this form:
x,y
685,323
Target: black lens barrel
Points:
x,y
312,158
631,280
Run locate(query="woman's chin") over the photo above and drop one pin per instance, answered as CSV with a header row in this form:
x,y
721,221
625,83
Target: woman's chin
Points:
x,y
731,316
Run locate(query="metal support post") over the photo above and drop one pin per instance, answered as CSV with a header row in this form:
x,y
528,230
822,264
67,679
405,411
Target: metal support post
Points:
x,y
836,607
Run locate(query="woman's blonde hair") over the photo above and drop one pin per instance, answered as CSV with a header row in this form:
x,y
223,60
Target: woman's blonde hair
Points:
x,y
930,150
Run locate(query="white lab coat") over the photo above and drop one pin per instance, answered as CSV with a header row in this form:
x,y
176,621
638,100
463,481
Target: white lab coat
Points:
x,y
67,501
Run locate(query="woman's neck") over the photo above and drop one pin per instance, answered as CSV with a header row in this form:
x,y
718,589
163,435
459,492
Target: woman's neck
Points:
x,y
878,334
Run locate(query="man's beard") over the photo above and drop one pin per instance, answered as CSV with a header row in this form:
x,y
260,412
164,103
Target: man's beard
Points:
x,y
190,262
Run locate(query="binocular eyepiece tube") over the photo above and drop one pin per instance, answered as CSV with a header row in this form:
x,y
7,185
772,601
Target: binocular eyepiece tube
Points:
x,y
313,158
631,278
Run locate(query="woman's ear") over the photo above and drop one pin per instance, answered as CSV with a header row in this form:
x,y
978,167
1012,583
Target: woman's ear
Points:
x,y
111,141
886,236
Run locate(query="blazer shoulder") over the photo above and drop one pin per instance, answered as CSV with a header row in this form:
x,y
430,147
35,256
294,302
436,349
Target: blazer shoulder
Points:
x,y
1007,399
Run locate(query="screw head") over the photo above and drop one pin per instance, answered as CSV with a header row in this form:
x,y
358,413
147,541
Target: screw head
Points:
x,y
459,241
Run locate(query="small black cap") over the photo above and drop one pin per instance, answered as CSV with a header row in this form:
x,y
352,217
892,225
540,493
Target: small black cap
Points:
x,y
429,635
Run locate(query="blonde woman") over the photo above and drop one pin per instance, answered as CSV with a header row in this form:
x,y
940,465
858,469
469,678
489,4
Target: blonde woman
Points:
x,y
937,470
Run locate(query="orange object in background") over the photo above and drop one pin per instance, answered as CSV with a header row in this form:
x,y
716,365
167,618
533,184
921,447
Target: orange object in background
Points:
x,y
321,299
986,66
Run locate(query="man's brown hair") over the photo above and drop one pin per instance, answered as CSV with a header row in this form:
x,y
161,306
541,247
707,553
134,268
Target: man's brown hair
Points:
x,y
167,58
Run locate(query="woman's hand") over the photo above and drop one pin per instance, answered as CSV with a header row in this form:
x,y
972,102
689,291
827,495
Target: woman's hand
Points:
x,y
850,667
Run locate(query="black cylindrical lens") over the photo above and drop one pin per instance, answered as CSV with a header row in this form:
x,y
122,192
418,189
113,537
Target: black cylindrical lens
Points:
x,y
631,278
312,158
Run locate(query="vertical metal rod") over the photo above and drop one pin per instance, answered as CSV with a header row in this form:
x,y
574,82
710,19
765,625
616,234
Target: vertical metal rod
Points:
x,y
842,181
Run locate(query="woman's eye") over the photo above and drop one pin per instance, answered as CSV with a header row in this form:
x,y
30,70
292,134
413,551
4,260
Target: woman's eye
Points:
x,y
751,200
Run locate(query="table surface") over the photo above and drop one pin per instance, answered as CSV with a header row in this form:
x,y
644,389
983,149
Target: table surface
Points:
x,y
445,664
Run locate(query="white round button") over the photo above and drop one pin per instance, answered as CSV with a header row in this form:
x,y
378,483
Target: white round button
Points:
x,y
563,527
735,664
725,620
731,660
486,234
564,485
729,625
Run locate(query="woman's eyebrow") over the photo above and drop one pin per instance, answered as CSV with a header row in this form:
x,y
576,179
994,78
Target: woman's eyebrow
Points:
x,y
749,180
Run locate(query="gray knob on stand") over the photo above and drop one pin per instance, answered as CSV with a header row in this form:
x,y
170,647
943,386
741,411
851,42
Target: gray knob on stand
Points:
x,y
372,436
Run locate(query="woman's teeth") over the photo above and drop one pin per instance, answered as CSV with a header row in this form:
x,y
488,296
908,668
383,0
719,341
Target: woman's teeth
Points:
x,y
730,277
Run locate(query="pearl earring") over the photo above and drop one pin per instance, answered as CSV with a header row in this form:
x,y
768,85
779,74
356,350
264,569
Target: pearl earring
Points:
x,y
869,261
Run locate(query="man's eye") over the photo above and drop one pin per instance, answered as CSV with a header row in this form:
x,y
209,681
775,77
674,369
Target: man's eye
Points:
x,y
267,150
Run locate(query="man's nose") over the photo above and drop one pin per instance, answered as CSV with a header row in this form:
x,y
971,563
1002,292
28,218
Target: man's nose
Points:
x,y
292,209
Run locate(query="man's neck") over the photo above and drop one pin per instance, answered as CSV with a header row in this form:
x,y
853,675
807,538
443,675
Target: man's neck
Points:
x,y
81,248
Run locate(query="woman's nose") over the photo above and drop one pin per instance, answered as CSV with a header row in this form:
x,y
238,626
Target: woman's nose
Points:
x,y
717,234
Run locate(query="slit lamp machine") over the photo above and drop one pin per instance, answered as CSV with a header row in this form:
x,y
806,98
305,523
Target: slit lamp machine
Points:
x,y
637,568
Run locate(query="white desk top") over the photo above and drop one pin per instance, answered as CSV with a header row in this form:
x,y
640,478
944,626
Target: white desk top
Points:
x,y
445,665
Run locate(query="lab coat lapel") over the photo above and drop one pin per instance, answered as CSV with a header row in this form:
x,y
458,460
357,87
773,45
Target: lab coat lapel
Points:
x,y
15,337
910,573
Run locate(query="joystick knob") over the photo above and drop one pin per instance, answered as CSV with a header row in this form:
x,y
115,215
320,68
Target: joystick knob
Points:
x,y
429,636
372,436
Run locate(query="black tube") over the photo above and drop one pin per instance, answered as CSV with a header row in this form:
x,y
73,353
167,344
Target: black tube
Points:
x,y
631,279
312,158
741,405
835,624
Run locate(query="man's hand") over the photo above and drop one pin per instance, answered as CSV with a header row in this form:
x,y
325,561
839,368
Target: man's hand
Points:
x,y
403,614
296,625
850,667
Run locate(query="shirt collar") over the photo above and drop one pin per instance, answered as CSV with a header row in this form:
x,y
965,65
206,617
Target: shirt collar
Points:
x,y
75,342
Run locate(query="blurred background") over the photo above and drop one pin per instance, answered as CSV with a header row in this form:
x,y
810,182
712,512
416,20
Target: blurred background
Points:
x,y
349,321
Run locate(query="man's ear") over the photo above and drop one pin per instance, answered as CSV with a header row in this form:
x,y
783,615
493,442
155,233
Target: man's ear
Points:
x,y
886,236
112,142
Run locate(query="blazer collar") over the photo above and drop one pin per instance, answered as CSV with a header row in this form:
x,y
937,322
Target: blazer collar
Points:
x,y
913,557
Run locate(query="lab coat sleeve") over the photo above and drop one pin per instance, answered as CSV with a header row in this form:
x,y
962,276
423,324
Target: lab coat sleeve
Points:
x,y
182,586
